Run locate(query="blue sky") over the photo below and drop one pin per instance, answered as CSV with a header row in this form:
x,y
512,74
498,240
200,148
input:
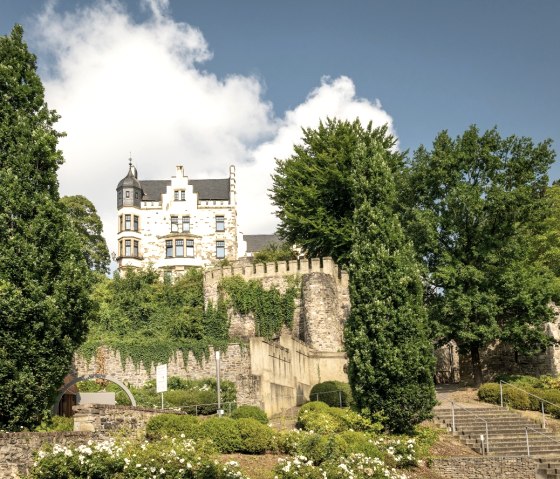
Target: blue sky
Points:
x,y
256,69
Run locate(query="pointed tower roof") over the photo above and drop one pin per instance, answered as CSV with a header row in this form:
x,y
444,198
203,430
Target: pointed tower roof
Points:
x,y
131,179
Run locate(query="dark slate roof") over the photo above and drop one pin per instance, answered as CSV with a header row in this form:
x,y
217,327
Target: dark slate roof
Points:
x,y
153,189
258,242
129,180
206,189
211,189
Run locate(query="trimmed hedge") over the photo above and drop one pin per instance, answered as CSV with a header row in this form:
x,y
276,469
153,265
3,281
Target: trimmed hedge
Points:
x,y
172,425
517,399
256,438
334,393
224,433
252,412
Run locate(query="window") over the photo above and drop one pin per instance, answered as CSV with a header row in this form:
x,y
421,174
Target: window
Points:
x,y
120,248
176,195
190,248
120,223
179,249
136,194
128,194
167,277
136,219
169,249
220,226
179,195
135,251
127,247
126,222
220,249
186,224
174,224
182,195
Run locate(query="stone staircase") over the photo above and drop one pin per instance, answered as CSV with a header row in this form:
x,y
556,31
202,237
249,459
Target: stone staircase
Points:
x,y
507,435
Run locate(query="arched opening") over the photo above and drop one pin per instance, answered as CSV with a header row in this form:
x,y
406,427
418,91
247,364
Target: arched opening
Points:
x,y
87,377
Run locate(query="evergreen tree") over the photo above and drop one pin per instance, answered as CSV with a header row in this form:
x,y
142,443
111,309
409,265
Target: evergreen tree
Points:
x,y
44,279
390,355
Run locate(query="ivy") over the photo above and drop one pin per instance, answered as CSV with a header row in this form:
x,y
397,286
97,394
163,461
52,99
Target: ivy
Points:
x,y
270,308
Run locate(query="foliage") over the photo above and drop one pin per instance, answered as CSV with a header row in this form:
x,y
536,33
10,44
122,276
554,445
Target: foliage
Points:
x,y
320,418
476,205
334,393
390,355
256,438
181,394
148,320
44,280
224,433
89,228
270,308
313,189
56,424
252,412
515,398
172,425
172,458
275,252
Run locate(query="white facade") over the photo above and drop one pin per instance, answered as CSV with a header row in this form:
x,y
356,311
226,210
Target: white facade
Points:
x,y
175,224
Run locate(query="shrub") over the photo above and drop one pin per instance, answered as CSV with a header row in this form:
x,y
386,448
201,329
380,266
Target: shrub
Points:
x,y
320,422
314,406
132,459
224,433
256,438
56,424
514,398
252,412
352,420
334,393
489,392
172,425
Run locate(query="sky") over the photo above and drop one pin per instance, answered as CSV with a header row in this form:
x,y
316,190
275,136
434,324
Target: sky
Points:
x,y
213,83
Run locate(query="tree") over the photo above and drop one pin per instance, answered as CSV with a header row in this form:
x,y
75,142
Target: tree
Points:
x,y
275,252
85,220
390,355
44,280
476,204
312,189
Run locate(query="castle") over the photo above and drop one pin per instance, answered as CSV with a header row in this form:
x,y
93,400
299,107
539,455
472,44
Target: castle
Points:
x,y
177,223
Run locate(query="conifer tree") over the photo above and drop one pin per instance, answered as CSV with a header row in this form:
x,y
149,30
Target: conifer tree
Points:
x,y
390,355
44,278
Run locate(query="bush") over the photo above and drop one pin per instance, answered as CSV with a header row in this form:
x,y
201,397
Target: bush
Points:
x,y
256,438
514,398
354,421
334,393
56,424
172,425
314,406
224,433
253,412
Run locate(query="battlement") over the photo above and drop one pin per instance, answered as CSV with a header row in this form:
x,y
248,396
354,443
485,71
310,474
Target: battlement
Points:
x,y
279,269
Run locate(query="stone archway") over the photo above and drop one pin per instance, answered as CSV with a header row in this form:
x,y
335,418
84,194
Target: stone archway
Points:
x,y
87,377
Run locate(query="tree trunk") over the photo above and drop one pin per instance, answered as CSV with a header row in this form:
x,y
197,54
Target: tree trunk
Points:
x,y
476,365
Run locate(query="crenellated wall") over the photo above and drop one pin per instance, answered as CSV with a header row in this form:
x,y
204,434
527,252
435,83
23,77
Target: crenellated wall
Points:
x,y
320,312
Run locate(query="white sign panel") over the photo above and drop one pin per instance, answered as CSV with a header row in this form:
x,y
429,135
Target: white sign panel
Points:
x,y
161,378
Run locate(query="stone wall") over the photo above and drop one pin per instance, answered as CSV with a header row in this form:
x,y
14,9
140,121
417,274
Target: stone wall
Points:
x,y
17,448
485,467
235,367
105,419
320,312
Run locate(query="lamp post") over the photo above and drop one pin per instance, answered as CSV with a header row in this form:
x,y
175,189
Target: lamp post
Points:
x,y
218,388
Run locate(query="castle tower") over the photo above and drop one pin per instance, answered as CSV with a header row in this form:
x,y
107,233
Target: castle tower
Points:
x,y
129,203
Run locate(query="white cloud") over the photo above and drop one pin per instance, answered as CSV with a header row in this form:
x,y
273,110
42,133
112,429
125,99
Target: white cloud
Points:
x,y
122,86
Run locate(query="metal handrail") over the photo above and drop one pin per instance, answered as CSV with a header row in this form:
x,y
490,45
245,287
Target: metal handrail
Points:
x,y
548,436
542,400
454,429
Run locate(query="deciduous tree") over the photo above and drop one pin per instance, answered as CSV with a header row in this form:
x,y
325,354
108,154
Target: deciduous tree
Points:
x,y
44,279
475,205
312,189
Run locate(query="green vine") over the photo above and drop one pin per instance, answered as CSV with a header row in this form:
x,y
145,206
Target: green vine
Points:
x,y
270,308
148,321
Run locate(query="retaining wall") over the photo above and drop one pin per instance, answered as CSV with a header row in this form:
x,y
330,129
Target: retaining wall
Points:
x,y
485,467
